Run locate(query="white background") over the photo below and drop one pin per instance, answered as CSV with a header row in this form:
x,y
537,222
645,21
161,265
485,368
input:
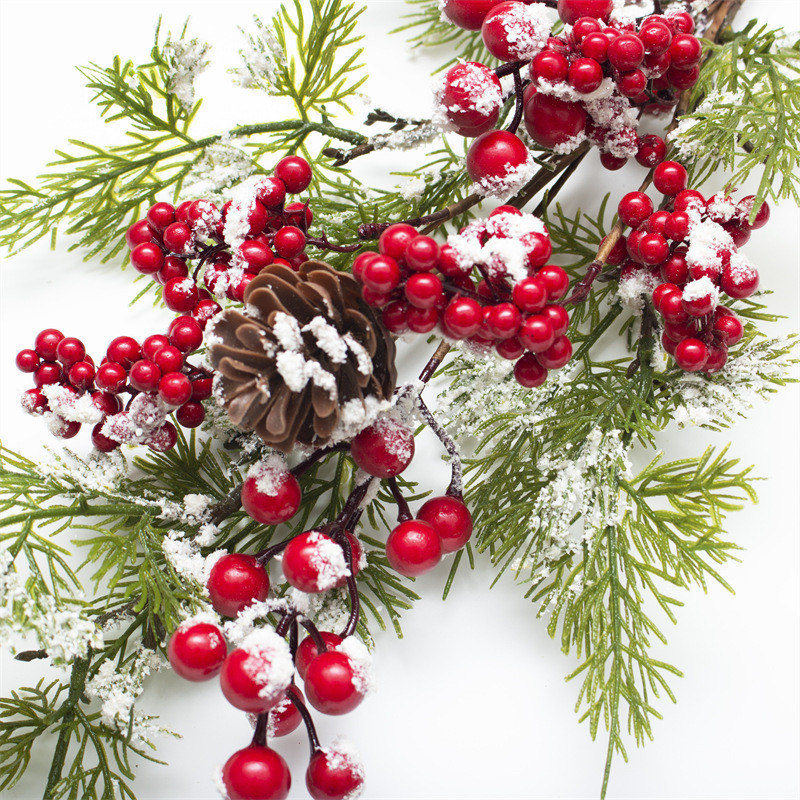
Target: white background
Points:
x,y
472,702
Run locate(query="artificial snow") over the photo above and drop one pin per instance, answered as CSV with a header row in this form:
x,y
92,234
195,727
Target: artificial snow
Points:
x,y
269,662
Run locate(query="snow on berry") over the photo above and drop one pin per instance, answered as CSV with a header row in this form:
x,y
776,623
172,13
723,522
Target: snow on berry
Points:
x,y
268,663
361,661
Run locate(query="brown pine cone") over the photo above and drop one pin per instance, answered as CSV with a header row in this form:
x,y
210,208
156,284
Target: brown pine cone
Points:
x,y
304,355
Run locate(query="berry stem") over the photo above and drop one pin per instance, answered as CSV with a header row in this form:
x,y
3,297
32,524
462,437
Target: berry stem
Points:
x,y
435,362
403,509
644,348
313,632
300,469
507,69
260,733
518,108
456,487
313,739
321,243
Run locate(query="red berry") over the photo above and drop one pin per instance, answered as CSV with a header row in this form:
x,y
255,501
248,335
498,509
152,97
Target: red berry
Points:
x,y
651,150
27,360
47,373
360,262
653,249
191,414
626,52
688,198
123,350
555,279
185,334
33,401
552,122
70,350
450,519
670,177
557,355
152,344
585,75
683,78
46,343
107,403
384,449
147,258
594,45
138,233
685,50
729,329
103,443
493,155
111,377
413,548
181,295
395,239
331,683
717,357
634,209
676,226
284,718
256,773
571,11
295,173
510,349
691,355
662,291
583,27
271,495
161,215
197,650
471,98
235,582
144,376
739,281
745,205
550,66
507,31
655,36
271,193
307,650
468,14
289,241
64,429
423,290
463,317
529,372
174,389
422,253
538,248
530,294
167,357
395,316
504,320
202,388
675,270
698,305
81,375
178,237
682,21
536,333
422,320
333,775
313,562
558,317
257,255
612,162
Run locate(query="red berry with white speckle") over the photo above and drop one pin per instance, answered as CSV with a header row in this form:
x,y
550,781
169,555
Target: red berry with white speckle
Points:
x,y
384,449
197,650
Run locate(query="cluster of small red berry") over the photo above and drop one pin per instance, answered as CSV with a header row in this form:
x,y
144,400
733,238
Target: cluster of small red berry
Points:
x,y
513,307
70,391
254,229
257,675
589,84
691,248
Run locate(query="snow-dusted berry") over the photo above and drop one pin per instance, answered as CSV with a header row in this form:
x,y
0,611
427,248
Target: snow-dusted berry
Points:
x,y
271,495
197,650
235,582
384,449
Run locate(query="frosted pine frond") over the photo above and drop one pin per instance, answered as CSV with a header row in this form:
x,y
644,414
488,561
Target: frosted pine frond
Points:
x,y
184,60
262,59
757,369
221,166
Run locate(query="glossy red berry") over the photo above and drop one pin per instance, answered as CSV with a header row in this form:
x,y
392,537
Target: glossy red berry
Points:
x,y
27,360
70,350
503,320
683,78
530,294
717,358
186,334
174,389
653,249
463,317
295,173
691,355
197,651
422,253
313,562
257,255
468,14
144,376
551,121
688,198
670,177
471,98
558,318
270,495
111,377
289,241
511,348
235,582
507,31
626,52
536,333
423,290
651,150
675,269
284,718
307,650
612,162
147,258
555,279
685,50
332,684
550,66
178,238
594,45
271,193
138,233
422,320
395,316
395,239
166,357
256,773
762,215
413,548
728,327
529,372
585,75
634,209
493,155
557,355
384,449
682,22
101,442
191,414
33,401
656,36
332,775
739,282
571,11
46,343
81,375
451,520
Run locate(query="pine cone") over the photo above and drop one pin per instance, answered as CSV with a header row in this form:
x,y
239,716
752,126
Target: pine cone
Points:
x,y
305,346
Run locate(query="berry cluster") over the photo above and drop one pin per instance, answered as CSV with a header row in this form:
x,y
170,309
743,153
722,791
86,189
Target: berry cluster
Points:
x,y
592,83
691,248
513,307
231,245
70,391
257,675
